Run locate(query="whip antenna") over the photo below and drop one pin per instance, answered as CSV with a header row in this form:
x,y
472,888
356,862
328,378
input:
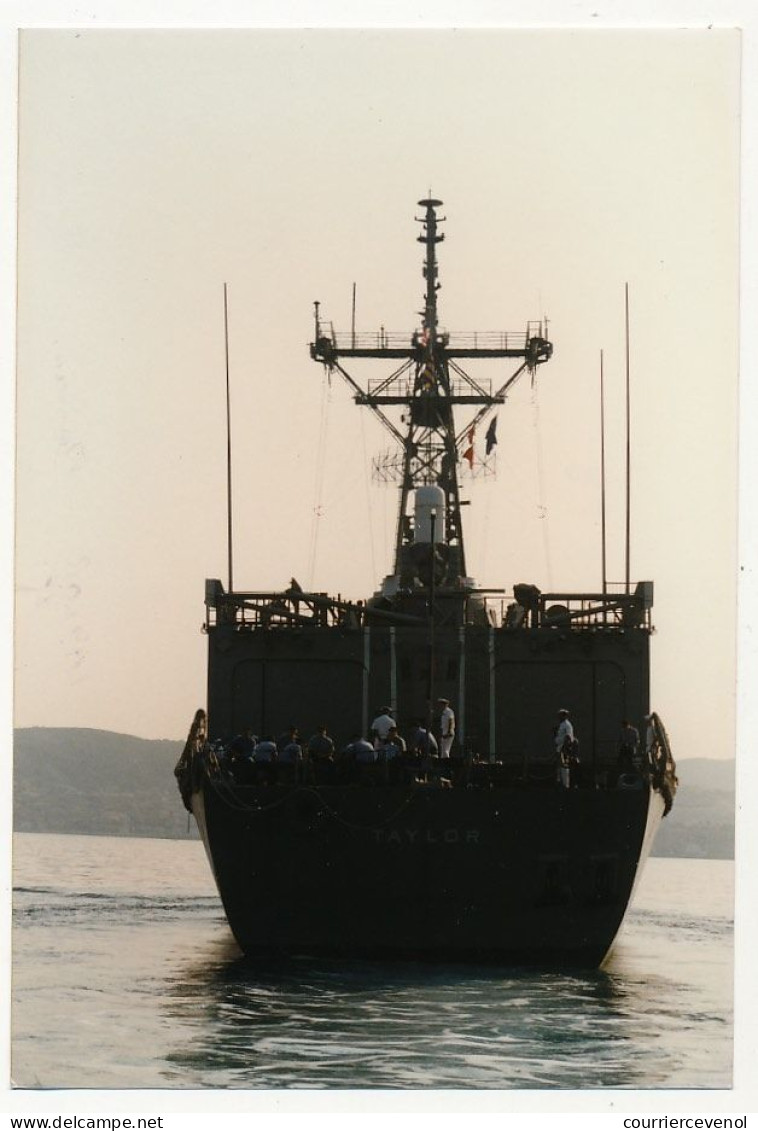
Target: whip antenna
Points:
x,y
602,475
628,444
228,446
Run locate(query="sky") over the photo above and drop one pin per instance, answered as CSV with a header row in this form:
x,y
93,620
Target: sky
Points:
x,y
155,166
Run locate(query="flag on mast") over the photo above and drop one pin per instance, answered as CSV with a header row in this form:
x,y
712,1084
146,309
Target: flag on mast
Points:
x,y
426,377
469,452
491,437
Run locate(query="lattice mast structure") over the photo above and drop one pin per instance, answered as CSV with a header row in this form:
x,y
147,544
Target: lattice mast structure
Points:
x,y
428,384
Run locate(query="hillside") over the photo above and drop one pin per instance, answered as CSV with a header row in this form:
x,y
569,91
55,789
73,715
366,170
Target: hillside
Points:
x,y
69,780
701,824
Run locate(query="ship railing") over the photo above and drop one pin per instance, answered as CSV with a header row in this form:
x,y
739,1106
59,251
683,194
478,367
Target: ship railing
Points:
x,y
381,339
599,766
294,608
405,387
290,608
616,608
513,770
500,340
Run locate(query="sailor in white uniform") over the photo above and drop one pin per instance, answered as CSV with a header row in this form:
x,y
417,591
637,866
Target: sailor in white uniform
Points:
x,y
381,726
564,736
447,727
564,731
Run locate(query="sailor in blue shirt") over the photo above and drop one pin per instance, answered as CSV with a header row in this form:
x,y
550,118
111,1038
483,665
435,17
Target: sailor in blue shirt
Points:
x,y
291,754
265,750
362,751
420,741
320,745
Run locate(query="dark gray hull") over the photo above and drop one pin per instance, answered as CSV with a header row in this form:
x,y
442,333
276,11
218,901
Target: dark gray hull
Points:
x,y
526,876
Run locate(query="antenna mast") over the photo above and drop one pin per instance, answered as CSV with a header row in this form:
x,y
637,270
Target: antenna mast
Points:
x,y
429,382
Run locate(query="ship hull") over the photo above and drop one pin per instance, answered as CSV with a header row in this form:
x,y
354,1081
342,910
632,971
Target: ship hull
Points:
x,y
506,875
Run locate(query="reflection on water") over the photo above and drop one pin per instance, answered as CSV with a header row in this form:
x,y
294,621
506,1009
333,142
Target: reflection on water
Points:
x,y
314,1024
125,975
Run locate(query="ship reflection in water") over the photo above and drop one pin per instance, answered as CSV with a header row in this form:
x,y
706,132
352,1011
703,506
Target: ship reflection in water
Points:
x,y
369,1025
310,1023
125,976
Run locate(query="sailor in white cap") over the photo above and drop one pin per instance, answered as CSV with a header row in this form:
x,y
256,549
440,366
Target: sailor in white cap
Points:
x,y
564,732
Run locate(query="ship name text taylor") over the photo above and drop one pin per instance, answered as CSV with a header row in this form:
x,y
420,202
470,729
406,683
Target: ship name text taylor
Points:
x,y
426,836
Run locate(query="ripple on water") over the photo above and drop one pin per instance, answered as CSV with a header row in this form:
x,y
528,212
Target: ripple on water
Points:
x,y
125,975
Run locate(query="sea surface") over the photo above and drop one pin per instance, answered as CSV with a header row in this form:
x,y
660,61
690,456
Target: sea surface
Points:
x,y
125,976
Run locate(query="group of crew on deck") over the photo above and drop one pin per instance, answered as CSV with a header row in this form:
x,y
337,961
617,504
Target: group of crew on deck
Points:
x,y
385,756
630,760
388,757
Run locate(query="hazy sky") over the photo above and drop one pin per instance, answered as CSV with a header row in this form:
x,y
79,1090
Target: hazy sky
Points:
x,y
155,165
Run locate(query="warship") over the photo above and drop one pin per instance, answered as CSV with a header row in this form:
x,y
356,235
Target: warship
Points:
x,y
505,842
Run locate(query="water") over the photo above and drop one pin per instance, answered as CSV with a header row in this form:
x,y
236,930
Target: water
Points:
x,y
125,976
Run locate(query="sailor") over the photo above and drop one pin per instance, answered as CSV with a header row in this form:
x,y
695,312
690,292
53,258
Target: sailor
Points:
x,y
264,757
528,597
294,589
291,734
217,756
381,726
320,745
241,755
421,742
360,751
291,754
564,742
243,745
390,754
629,741
394,746
447,727
564,732
265,750
290,758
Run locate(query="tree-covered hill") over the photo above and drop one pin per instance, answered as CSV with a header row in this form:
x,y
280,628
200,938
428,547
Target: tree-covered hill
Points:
x,y
72,780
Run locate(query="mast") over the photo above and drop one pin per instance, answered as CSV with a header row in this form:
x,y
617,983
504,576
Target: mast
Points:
x,y
430,449
429,383
431,239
